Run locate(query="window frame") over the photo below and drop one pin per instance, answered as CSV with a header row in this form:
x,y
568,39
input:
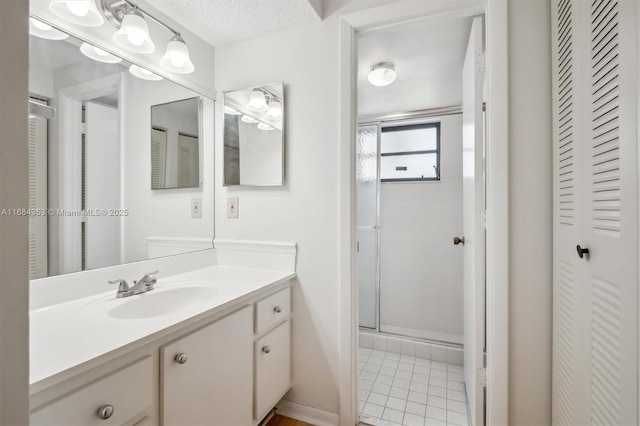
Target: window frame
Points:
x,y
437,151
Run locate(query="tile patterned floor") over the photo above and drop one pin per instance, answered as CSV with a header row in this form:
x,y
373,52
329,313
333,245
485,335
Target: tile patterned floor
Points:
x,y
396,389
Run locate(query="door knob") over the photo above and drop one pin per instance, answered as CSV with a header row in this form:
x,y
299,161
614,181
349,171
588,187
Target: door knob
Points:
x,y
266,349
181,358
458,240
581,251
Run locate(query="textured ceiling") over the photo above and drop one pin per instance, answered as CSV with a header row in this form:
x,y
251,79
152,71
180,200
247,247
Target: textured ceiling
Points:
x,y
221,22
428,59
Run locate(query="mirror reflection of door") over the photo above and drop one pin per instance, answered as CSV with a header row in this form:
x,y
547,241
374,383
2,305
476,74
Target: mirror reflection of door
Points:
x,y
158,157
188,167
38,229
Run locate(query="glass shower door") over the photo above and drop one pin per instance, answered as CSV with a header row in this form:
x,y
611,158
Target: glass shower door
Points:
x,y
367,233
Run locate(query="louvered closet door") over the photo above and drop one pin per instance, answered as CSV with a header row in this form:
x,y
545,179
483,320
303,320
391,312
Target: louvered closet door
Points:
x,y
595,357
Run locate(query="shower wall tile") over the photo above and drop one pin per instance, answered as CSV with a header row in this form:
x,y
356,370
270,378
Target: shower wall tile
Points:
x,y
394,345
438,353
408,347
366,340
454,356
379,342
423,350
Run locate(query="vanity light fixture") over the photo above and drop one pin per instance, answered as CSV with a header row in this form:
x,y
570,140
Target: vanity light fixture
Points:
x,y
382,74
133,34
257,101
230,111
143,73
275,110
97,54
40,29
176,57
263,126
80,12
248,119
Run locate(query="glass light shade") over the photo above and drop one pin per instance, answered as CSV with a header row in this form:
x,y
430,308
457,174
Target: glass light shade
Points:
x,y
263,126
275,110
176,58
382,74
97,54
133,34
80,12
257,101
231,111
248,119
143,73
42,30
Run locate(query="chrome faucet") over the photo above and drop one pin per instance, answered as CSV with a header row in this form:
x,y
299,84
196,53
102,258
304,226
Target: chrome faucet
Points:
x,y
143,285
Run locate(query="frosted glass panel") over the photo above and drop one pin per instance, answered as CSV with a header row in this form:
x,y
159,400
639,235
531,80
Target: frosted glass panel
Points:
x,y
414,166
420,139
367,222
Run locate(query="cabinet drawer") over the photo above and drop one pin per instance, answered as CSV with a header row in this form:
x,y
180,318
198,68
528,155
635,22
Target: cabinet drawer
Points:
x,y
128,391
272,309
273,368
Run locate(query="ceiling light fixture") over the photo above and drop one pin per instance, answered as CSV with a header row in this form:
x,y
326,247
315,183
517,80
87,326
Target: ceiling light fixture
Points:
x,y
40,29
80,12
382,74
248,119
275,110
97,54
133,34
143,73
176,57
257,101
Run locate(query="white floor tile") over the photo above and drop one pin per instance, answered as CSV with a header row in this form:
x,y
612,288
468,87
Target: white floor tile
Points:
x,y
436,401
405,366
436,413
376,353
392,356
385,380
387,371
375,361
420,378
408,359
393,415
458,396
365,384
368,375
401,383
455,386
420,369
437,365
415,408
380,388
373,410
377,399
404,374
434,422
371,367
419,397
441,374
423,362
436,391
419,387
455,377
363,394
437,381
396,403
413,420
457,406
399,392
390,363
457,418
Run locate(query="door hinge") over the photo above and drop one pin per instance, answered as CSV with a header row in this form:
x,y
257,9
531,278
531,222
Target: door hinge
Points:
x,y
482,377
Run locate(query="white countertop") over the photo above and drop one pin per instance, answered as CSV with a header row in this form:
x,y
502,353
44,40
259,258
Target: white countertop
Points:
x,y
70,334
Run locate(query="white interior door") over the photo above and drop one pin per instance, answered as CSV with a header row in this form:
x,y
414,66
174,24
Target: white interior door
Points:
x,y
38,228
473,222
102,185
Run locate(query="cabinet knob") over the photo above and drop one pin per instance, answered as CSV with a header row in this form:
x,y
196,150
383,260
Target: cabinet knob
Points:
x,y
181,358
277,309
581,251
458,240
105,412
266,349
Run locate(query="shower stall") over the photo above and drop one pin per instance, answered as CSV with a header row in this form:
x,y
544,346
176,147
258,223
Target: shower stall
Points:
x,y
409,208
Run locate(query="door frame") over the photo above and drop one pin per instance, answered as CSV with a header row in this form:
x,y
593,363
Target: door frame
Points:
x,y
497,169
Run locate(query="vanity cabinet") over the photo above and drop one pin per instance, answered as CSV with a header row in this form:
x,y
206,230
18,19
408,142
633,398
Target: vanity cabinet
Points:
x,y
206,377
273,368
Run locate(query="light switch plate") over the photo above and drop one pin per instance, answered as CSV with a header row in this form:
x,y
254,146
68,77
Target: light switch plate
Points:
x,y
232,207
196,208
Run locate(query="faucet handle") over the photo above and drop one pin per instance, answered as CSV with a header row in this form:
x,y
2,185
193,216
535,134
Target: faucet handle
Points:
x,y
123,285
153,274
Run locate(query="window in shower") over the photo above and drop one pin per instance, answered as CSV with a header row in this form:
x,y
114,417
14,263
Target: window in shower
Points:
x,y
410,153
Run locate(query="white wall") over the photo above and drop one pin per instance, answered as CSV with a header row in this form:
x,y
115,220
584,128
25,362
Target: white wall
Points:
x,y
306,208
530,221
167,212
14,192
420,268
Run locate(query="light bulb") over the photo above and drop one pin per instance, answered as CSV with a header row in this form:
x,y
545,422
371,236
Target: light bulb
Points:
x,y
78,8
133,34
136,38
177,62
41,25
176,57
257,101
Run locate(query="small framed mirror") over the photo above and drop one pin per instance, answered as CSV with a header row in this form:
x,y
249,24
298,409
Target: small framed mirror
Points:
x,y
175,144
254,136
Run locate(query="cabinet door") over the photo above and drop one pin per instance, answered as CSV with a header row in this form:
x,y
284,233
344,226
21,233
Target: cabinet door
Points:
x,y
213,386
273,368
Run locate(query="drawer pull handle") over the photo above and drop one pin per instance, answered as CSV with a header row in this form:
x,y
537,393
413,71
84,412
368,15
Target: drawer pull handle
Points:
x,y
277,309
105,412
181,358
266,349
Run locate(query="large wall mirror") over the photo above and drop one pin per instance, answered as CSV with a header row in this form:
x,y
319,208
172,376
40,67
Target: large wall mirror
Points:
x,y
98,158
254,136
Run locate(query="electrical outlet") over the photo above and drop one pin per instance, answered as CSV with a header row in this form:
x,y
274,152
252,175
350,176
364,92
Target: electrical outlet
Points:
x,y
232,207
196,208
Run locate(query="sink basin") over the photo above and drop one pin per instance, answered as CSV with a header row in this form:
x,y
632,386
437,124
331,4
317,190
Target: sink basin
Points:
x,y
164,302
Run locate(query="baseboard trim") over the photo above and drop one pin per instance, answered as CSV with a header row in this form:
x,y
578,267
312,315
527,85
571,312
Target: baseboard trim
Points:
x,y
306,413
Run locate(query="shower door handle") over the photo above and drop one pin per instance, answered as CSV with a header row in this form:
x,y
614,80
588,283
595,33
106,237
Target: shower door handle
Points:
x,y
458,240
